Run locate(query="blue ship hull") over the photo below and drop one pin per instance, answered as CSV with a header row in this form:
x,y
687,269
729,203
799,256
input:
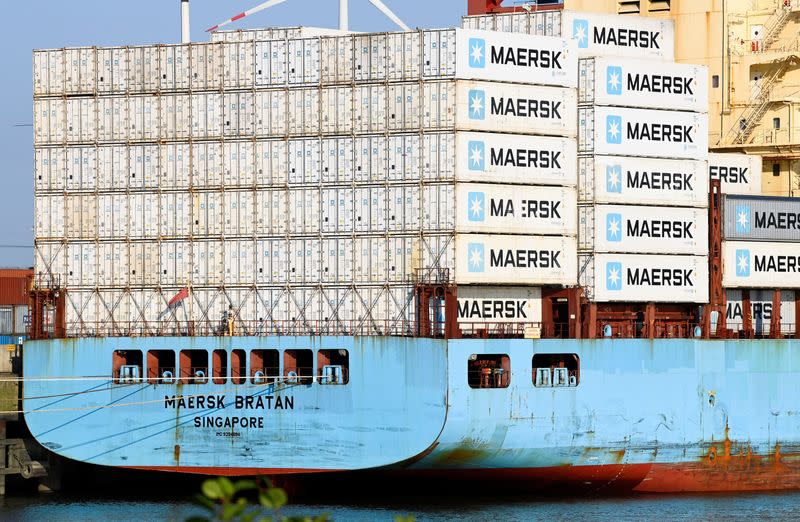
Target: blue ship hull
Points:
x,y
661,415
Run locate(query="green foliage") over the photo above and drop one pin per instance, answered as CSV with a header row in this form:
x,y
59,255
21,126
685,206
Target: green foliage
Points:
x,y
246,501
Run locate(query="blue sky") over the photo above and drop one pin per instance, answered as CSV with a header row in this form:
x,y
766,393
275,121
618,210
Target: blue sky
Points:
x,y
45,24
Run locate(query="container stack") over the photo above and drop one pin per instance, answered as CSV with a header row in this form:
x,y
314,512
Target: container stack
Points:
x,y
642,140
643,221
760,255
296,184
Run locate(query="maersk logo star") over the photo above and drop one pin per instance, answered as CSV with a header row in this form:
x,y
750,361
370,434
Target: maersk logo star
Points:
x,y
614,130
580,32
476,263
614,228
477,155
614,276
477,104
743,263
477,206
742,219
477,53
614,80
614,179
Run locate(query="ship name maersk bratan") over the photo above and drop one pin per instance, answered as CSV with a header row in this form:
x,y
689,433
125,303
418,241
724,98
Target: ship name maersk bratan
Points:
x,y
458,252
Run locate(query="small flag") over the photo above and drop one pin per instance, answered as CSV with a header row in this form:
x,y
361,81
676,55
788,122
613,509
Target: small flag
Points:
x,y
182,294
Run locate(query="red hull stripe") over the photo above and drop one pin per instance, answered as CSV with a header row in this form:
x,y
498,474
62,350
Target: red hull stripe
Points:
x,y
231,472
701,476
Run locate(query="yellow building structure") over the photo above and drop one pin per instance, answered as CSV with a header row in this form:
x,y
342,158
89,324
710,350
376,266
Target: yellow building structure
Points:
x,y
752,51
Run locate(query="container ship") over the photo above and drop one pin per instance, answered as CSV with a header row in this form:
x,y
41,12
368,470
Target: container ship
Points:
x,y
495,252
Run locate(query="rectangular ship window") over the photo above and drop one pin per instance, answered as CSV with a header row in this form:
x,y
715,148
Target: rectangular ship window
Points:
x,y
556,370
333,366
488,371
161,366
219,366
194,366
264,366
127,366
298,366
238,366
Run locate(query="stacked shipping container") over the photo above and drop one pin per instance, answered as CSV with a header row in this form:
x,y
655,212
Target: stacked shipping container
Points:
x,y
635,109
642,143
761,253
296,183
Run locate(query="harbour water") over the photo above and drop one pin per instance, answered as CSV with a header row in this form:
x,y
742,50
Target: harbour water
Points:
x,y
753,506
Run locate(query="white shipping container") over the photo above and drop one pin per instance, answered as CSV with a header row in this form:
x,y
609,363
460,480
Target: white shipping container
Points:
x,y
50,169
272,261
113,265
643,83
176,260
48,72
336,261
761,310
143,215
752,264
206,63
271,212
50,222
507,158
304,261
81,169
494,305
502,259
81,265
543,23
81,216
643,230
143,70
644,278
496,56
174,67
207,164
238,65
112,118
642,181
642,133
303,61
523,109
599,34
114,217
80,70
207,264
174,160
516,209
207,115
207,214
112,64
239,262
438,208
145,263
738,173
270,63
175,216
271,113
271,163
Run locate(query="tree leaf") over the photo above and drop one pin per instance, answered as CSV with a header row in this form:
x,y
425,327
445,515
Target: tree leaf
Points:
x,y
264,500
227,487
277,497
244,485
204,502
211,489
